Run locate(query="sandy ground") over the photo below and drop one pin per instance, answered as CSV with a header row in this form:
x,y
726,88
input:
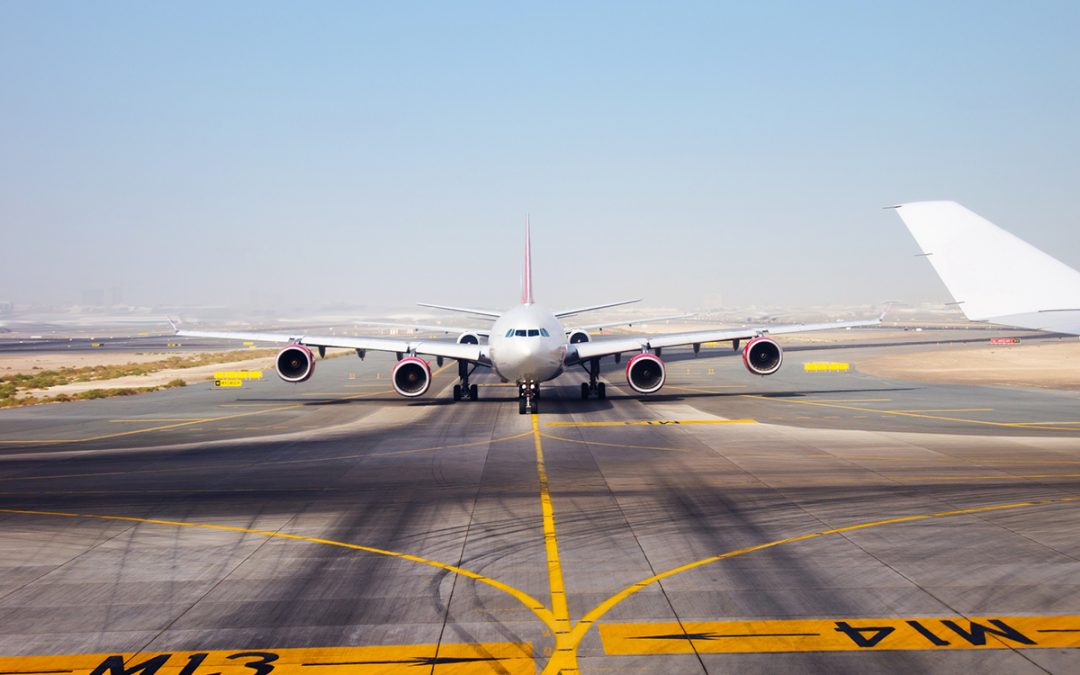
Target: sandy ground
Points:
x,y
189,375
12,364
1050,365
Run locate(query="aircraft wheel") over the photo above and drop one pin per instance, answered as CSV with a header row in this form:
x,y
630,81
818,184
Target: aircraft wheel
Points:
x,y
584,391
474,392
535,406
457,392
521,405
601,391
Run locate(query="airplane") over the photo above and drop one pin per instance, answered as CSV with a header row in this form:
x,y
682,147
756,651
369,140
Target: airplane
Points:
x,y
992,275
528,345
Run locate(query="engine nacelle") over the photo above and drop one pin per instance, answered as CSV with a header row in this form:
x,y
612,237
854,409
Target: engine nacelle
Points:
x,y
578,336
645,373
762,356
411,377
468,339
295,363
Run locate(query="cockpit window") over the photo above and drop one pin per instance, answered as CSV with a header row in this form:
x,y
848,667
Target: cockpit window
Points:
x,y
520,332
533,332
543,331
510,333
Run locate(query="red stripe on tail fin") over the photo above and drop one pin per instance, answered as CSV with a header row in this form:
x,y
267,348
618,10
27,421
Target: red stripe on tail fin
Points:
x,y
526,278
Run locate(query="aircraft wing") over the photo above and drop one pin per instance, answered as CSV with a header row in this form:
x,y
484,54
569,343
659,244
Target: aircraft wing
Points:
x,y
450,350
587,350
563,313
991,274
483,332
629,322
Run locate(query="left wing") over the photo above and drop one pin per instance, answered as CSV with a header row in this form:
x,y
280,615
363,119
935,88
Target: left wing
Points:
x,y
628,322
588,350
450,350
563,313
482,332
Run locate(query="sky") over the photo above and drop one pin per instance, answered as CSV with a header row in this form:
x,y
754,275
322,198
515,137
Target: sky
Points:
x,y
695,154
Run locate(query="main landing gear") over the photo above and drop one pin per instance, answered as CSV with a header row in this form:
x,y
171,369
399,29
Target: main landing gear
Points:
x,y
593,386
528,397
465,390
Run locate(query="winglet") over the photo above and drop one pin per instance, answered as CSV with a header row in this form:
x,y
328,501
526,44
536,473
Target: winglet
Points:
x,y
526,278
173,324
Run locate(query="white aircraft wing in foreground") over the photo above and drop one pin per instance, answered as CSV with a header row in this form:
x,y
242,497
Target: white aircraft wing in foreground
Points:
x,y
993,275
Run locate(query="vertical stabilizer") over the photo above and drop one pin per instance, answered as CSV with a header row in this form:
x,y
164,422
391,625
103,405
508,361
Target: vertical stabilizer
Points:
x,y
526,274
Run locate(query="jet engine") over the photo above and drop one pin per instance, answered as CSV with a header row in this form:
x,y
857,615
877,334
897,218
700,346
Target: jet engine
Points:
x,y
468,339
295,363
411,377
645,373
578,336
762,356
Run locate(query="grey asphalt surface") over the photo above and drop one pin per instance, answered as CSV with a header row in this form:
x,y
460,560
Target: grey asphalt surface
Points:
x,y
343,460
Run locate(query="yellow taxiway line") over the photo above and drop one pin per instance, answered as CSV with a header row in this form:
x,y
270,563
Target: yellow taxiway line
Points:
x,y
658,423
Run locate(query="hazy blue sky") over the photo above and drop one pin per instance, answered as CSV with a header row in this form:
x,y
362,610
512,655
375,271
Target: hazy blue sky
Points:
x,y
385,153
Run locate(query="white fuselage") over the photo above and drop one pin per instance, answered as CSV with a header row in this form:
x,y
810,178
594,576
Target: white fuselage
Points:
x,y
527,344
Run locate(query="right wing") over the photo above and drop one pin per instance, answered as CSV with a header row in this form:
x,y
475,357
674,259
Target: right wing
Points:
x,y
993,275
588,350
450,350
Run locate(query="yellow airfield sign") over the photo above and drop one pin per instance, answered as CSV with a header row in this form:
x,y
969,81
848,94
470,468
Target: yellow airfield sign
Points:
x,y
235,378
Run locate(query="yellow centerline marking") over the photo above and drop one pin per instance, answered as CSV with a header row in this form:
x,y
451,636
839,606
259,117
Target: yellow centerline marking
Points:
x,y
941,410
524,598
659,423
165,419
610,445
559,607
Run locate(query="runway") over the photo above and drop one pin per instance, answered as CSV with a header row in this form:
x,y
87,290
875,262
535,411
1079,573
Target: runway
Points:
x,y
830,522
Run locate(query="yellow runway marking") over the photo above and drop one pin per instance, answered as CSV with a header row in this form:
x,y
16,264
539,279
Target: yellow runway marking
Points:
x,y
512,658
611,445
165,419
1043,426
582,626
564,659
559,608
534,605
659,423
942,410
827,635
849,400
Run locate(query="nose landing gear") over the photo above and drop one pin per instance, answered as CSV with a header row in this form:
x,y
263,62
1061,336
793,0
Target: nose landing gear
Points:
x,y
528,397
465,390
593,386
